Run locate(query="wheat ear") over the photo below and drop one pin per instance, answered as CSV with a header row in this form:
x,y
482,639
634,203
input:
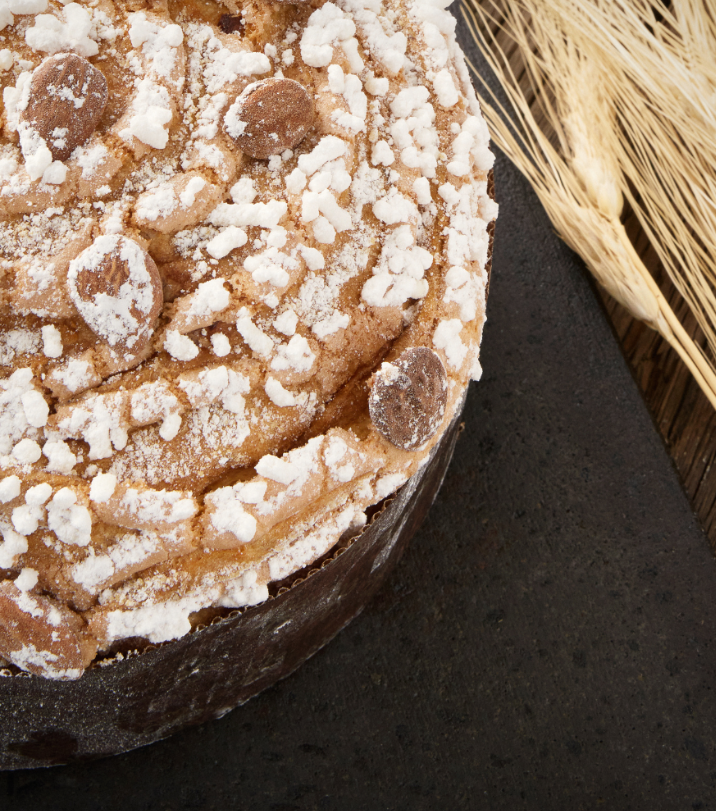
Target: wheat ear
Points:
x,y
572,156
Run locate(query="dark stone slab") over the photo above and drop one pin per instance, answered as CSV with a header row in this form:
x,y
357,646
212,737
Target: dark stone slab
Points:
x,y
547,640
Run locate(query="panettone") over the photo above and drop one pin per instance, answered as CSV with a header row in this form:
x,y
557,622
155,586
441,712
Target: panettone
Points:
x,y
243,250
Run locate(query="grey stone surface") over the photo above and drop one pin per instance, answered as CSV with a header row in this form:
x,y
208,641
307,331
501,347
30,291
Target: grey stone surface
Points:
x,y
547,641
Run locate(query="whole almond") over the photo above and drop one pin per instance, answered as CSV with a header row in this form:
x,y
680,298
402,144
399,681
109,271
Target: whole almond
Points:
x,y
408,398
67,99
117,290
269,117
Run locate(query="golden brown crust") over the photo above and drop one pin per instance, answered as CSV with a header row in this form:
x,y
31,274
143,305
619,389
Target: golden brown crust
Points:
x,y
207,430
42,636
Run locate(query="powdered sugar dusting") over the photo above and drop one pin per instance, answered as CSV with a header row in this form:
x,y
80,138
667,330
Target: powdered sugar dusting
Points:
x,y
185,315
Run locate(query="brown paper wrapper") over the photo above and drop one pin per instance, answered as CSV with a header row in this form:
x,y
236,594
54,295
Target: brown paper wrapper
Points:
x,y
142,698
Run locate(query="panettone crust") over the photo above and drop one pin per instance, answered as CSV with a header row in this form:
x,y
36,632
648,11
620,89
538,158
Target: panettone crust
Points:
x,y
165,454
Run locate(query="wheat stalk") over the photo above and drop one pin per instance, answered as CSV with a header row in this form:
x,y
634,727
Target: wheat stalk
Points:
x,y
616,101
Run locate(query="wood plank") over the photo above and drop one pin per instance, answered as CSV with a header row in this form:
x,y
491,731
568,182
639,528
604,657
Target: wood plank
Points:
x,y
682,413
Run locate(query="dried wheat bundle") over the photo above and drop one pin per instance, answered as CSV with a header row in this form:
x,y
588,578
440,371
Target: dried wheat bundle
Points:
x,y
614,100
